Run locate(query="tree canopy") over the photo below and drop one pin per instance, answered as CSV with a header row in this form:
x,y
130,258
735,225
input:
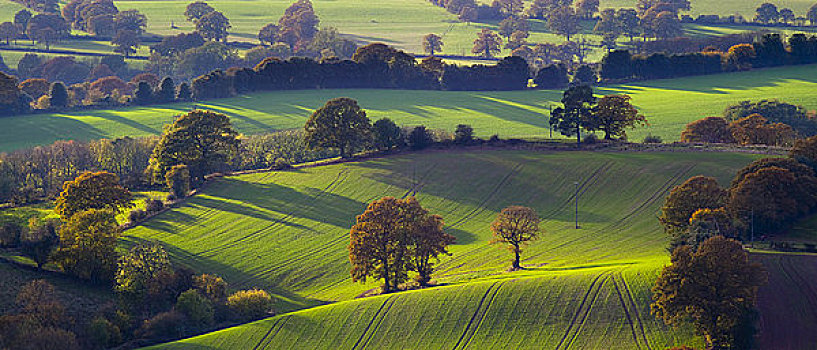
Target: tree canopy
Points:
x,y
340,124
99,190
515,226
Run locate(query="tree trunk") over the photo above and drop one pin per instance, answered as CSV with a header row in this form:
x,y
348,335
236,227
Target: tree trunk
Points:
x,y
343,151
578,136
516,257
386,279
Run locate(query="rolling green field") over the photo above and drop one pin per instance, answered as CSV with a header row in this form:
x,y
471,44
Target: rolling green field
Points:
x,y
287,232
668,104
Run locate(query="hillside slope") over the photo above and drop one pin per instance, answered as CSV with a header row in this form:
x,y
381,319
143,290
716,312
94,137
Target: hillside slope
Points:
x,y
668,104
586,288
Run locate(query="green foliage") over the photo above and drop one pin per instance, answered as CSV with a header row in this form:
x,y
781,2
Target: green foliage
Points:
x,y
197,308
213,26
99,190
140,270
212,287
177,180
340,124
419,138
39,240
248,305
202,140
387,134
143,94
577,112
58,97
464,134
163,327
775,111
104,334
87,247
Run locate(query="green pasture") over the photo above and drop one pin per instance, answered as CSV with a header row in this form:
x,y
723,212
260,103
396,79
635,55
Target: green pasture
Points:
x,y
288,231
726,7
668,104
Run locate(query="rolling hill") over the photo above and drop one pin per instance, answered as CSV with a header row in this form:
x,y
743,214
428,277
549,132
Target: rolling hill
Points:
x,y
668,104
288,231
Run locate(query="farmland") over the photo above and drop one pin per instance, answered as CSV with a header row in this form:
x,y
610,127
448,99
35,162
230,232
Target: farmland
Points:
x,y
668,104
287,232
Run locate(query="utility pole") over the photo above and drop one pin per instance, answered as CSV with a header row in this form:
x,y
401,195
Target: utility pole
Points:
x,y
577,204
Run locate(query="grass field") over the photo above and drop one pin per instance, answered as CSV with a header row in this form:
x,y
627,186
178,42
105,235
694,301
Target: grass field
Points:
x,y
288,231
668,104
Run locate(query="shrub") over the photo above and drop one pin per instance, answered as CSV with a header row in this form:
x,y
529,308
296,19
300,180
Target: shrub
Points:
x,y
137,215
178,180
590,139
494,138
212,287
154,205
387,134
103,333
10,234
282,164
250,305
163,326
419,138
464,134
653,139
197,308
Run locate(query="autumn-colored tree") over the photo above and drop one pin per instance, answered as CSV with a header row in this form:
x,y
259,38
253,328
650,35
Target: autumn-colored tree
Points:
x,y
770,198
515,226
614,113
714,287
38,299
250,305
177,180
564,21
796,168
487,43
707,130
427,240
698,192
100,190
203,140
805,151
705,224
109,84
432,43
35,87
211,286
88,245
755,130
340,124
9,94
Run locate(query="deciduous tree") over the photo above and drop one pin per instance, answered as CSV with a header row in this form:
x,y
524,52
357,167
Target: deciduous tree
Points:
x,y
88,245
707,130
515,226
698,192
771,197
714,287
767,13
340,124
126,42
139,270
8,32
387,134
805,151
576,112
564,21
202,140
487,43
213,26
196,10
587,8
432,43
755,130
427,240
613,114
99,190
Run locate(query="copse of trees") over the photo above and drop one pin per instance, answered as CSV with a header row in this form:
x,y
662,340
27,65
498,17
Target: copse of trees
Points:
x,y
393,237
100,190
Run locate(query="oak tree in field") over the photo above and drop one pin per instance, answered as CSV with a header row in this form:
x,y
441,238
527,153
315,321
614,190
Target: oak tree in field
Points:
x,y
487,43
427,240
512,24
394,236
707,130
564,21
698,192
377,244
432,43
87,246
213,26
613,114
99,190
714,287
340,124
576,112
126,42
515,226
767,13
197,10
202,140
